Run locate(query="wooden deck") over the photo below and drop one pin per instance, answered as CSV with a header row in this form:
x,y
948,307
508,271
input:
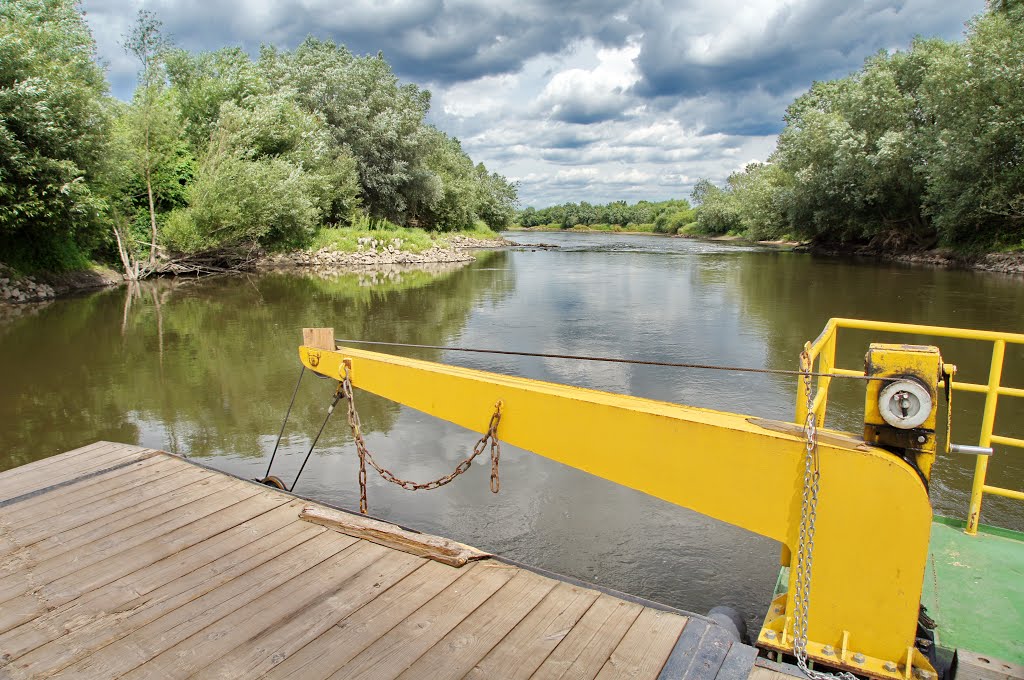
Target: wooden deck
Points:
x,y
118,561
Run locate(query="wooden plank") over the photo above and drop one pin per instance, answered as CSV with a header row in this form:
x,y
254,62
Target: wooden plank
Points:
x,y
467,643
262,652
140,645
33,489
89,630
22,609
20,479
973,666
61,458
90,522
19,485
320,338
406,642
685,651
58,555
586,647
523,650
645,647
354,633
158,520
271,609
738,663
424,545
62,500
762,673
711,654
74,614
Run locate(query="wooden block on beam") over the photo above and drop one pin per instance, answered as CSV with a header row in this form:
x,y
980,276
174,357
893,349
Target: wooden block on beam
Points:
x,y
432,547
319,338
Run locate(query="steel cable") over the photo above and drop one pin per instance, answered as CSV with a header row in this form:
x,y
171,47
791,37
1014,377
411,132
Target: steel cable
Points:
x,y
616,360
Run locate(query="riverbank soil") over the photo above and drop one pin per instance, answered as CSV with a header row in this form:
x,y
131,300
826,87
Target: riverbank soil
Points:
x,y
1004,263
46,286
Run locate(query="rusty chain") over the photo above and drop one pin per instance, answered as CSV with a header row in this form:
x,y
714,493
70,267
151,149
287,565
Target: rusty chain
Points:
x,y
365,456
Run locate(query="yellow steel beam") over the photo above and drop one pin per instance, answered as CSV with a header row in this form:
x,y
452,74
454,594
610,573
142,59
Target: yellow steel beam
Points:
x,y
873,516
1005,493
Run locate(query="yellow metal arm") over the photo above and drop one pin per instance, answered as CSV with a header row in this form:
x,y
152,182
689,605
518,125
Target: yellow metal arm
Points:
x,y
873,516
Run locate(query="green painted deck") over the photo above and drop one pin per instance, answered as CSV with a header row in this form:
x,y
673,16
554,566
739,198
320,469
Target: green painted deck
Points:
x,y
979,604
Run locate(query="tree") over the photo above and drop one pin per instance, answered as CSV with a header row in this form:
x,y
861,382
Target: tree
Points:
x,y
154,119
496,198
53,124
204,82
271,175
367,111
975,183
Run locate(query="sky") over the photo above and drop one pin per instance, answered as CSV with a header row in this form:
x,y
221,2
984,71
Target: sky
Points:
x,y
595,100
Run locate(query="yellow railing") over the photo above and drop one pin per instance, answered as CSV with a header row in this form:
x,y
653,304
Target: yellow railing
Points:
x,y
823,351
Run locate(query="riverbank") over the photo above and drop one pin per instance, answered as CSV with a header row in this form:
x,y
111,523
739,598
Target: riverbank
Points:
x,y
15,288
1001,263
372,251
369,252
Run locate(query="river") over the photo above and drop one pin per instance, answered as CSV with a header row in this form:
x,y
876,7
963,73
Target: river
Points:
x,y
206,367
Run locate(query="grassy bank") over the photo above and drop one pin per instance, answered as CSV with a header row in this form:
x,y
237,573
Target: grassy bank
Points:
x,y
405,239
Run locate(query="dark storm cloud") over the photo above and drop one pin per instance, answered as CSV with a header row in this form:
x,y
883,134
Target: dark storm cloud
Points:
x,y
776,46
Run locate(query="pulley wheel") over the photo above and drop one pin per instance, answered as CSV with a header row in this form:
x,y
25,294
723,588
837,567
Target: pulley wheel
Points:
x,y
274,482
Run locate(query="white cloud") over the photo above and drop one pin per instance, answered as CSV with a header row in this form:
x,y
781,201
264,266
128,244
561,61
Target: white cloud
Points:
x,y
591,100
580,95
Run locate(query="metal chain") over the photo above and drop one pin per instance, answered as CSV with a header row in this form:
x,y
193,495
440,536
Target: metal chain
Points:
x,y
365,456
805,544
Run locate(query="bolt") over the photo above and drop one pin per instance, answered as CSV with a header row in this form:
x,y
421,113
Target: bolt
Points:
x,y
858,658
770,634
827,650
889,666
922,674
921,439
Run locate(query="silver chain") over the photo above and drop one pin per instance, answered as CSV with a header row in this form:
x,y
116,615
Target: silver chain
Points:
x,y
805,543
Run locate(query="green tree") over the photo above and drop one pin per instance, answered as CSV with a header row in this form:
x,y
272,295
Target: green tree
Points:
x,y
152,122
496,198
271,175
53,125
975,184
203,82
367,111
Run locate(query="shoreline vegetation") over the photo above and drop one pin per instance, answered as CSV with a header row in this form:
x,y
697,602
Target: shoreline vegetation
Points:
x,y
1011,262
219,157
344,250
918,156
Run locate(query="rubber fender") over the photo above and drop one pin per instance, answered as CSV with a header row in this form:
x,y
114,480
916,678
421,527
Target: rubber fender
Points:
x,y
274,482
732,621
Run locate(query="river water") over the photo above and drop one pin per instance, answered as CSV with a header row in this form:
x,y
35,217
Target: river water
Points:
x,y
207,368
